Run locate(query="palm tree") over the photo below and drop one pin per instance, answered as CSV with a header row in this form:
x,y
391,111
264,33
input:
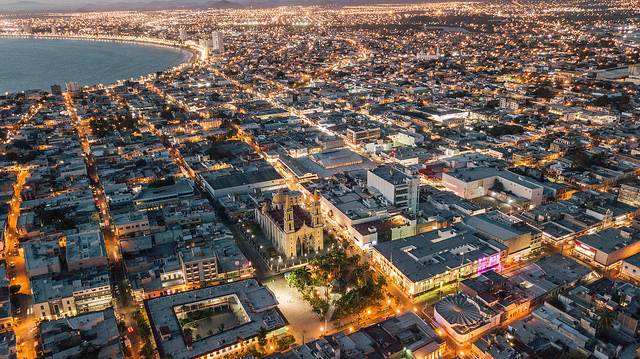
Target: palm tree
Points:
x,y
605,320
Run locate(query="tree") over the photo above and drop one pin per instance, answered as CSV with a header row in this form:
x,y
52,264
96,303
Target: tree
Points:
x,y
14,288
221,328
147,351
262,336
605,320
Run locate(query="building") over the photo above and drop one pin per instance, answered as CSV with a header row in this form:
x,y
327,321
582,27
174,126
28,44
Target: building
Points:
x,y
630,194
244,307
476,182
68,337
630,268
155,197
494,347
217,44
8,348
548,277
325,164
434,259
404,334
54,298
371,233
464,318
608,246
183,34
199,265
86,251
359,134
242,182
292,230
520,238
400,189
72,86
42,258
131,223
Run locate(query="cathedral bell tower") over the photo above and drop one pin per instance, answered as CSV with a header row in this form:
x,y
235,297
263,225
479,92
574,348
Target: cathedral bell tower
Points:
x,y
315,210
288,216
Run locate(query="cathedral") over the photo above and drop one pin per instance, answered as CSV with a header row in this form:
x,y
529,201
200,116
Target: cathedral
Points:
x,y
292,230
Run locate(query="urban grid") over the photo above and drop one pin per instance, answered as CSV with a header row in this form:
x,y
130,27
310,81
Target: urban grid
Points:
x,y
433,180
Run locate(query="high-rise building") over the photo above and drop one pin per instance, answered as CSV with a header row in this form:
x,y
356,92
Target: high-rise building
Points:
x,y
183,34
27,29
217,42
56,90
72,86
54,30
400,189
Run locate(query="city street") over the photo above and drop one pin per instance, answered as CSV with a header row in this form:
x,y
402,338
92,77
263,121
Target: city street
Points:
x,y
16,270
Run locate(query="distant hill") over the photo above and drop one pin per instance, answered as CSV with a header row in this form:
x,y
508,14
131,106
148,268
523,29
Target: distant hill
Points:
x,y
27,6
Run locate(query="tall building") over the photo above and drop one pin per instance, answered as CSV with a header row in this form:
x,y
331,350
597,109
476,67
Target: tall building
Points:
x,y
398,188
217,42
72,86
27,29
183,34
291,229
54,30
56,90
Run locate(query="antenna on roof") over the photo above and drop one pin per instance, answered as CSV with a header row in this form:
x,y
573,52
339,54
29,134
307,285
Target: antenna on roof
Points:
x,y
392,156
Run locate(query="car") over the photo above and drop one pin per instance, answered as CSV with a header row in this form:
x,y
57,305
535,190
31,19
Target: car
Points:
x,y
15,245
15,253
13,264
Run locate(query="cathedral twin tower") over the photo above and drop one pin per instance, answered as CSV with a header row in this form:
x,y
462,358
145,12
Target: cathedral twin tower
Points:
x,y
291,229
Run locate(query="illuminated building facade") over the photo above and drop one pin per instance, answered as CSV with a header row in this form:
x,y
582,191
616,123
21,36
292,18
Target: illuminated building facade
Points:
x,y
291,229
435,259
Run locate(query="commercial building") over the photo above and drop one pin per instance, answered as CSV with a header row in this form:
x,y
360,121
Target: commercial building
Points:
x,y
242,182
54,297
476,182
465,318
359,134
154,197
520,238
325,164
434,259
404,334
609,246
244,307
397,187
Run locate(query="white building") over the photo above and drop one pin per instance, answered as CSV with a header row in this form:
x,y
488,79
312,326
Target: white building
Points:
x,y
398,188
476,182
217,42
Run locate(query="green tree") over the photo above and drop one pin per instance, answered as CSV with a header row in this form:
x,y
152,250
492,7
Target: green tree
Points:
x,y
605,320
14,289
147,351
262,336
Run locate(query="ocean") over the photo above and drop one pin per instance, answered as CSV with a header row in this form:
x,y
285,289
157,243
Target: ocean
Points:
x,y
37,63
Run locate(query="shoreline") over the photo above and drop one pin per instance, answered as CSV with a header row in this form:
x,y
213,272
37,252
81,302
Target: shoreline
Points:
x,y
196,53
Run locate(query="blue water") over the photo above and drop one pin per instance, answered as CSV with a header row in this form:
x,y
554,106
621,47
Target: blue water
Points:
x,y
27,64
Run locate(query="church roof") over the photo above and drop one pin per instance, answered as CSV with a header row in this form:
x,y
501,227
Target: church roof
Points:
x,y
300,217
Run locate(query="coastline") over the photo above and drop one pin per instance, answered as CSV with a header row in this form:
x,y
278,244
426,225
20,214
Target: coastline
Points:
x,y
195,54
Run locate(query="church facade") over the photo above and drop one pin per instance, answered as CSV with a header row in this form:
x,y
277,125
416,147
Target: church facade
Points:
x,y
292,230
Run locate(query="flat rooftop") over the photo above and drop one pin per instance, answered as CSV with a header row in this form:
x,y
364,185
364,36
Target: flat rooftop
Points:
x,y
423,256
611,239
254,304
